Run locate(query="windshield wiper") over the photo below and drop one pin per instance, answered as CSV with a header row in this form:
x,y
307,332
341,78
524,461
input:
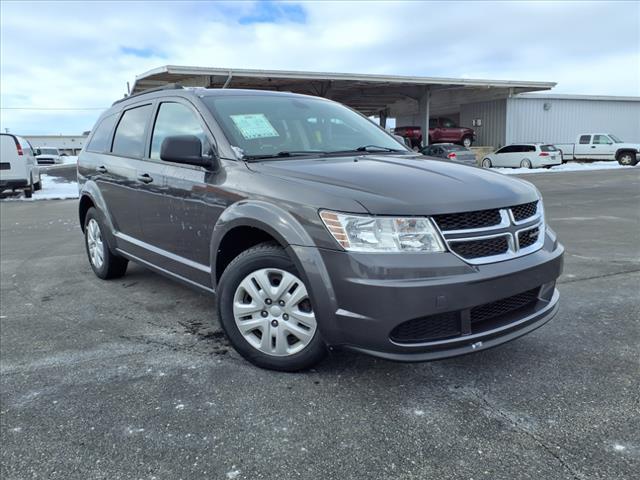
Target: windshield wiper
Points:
x,y
369,149
285,154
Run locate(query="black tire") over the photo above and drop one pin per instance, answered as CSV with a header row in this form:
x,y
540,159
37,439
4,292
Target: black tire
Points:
x,y
526,163
264,255
37,186
627,158
113,266
28,192
486,163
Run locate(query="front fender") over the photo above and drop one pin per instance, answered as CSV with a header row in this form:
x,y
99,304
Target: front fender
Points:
x,y
277,222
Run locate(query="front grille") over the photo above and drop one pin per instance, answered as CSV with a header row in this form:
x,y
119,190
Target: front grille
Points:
x,y
528,237
431,328
504,306
481,248
467,220
5,166
524,211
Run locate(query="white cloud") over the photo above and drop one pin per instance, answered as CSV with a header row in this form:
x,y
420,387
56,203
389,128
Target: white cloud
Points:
x,y
75,54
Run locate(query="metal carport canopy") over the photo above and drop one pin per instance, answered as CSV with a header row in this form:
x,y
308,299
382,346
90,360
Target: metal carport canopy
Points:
x,y
370,94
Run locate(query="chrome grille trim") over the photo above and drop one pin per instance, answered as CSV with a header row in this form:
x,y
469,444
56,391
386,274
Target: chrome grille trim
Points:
x,y
508,227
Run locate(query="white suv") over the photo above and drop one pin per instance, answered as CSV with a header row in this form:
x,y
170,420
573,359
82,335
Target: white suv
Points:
x,y
18,168
524,155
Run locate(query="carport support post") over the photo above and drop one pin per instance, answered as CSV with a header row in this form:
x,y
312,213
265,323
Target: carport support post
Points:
x,y
423,112
383,118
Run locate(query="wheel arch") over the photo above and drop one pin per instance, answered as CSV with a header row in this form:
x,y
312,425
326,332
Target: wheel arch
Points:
x,y
246,224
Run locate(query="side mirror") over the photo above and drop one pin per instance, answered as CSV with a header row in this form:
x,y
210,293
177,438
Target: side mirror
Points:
x,y
186,149
38,152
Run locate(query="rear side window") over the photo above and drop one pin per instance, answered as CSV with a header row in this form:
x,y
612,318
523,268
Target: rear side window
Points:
x,y
529,148
548,148
128,140
175,119
101,139
584,139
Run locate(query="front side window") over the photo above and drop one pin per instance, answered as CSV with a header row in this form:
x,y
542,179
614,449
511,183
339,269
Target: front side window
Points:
x,y
265,126
601,140
174,119
615,139
447,123
585,139
128,140
101,139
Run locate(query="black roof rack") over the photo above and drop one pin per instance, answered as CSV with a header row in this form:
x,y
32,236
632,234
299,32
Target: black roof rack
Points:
x,y
169,86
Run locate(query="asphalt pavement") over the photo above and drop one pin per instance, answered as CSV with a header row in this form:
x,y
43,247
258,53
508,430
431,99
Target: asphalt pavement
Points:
x,y
133,379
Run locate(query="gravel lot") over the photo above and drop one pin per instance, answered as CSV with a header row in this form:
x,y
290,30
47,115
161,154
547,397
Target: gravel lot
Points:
x,y
133,378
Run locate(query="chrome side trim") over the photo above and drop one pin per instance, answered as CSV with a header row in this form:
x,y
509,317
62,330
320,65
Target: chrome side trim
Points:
x,y
164,253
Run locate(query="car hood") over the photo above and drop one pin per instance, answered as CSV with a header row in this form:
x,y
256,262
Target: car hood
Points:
x,y
403,185
635,146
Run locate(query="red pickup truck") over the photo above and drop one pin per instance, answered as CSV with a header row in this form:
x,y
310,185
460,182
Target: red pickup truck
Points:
x,y
440,130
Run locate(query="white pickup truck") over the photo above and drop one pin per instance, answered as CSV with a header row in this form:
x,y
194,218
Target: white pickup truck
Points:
x,y
600,146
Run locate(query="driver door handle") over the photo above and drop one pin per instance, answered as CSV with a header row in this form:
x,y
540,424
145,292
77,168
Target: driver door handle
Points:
x,y
102,169
145,178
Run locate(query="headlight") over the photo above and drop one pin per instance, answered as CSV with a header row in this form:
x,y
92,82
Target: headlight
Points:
x,y
361,233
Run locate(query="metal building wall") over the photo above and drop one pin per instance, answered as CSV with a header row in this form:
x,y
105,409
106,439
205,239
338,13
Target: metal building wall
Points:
x,y
493,117
566,118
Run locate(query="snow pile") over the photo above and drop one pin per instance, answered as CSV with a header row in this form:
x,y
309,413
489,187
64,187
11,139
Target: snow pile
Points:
x,y
69,160
567,167
55,188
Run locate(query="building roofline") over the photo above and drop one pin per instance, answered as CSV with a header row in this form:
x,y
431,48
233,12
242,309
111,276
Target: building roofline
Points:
x,y
563,96
356,77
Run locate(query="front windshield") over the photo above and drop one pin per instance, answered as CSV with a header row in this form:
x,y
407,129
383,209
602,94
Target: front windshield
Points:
x,y
263,126
615,139
48,151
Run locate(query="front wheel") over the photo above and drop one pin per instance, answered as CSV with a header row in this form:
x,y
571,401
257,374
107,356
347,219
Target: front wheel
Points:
x,y
486,163
627,158
266,311
466,142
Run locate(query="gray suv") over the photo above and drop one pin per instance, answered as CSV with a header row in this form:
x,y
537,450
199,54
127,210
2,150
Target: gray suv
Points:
x,y
315,228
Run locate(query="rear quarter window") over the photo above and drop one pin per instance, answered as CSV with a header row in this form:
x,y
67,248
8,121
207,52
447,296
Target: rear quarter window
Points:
x,y
101,139
585,139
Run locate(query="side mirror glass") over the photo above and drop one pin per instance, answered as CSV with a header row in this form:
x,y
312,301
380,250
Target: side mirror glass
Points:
x,y
186,149
38,152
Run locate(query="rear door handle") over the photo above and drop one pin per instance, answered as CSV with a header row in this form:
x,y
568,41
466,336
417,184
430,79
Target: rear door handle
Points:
x,y
593,146
145,178
102,169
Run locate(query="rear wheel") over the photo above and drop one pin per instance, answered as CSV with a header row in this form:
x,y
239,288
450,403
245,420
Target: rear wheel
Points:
x,y
486,163
627,158
104,263
28,190
37,186
466,141
266,311
526,163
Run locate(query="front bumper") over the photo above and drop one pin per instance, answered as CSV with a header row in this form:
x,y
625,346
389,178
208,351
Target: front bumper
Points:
x,y
360,299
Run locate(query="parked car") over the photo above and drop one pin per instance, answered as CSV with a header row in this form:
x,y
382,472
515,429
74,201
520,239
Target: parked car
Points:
x,y
18,169
440,130
524,155
48,156
600,146
450,151
315,228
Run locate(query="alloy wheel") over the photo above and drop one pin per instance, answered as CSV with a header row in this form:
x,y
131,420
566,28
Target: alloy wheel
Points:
x,y
95,244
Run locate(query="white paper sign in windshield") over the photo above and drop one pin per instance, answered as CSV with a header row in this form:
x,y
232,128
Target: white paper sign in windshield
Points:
x,y
254,125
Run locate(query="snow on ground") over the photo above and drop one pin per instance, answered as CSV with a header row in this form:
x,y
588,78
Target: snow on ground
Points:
x,y
567,167
69,159
53,188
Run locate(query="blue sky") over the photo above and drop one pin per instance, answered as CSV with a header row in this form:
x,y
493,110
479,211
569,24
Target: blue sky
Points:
x,y
76,57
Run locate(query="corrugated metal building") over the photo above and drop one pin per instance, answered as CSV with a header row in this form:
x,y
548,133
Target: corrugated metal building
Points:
x,y
551,118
